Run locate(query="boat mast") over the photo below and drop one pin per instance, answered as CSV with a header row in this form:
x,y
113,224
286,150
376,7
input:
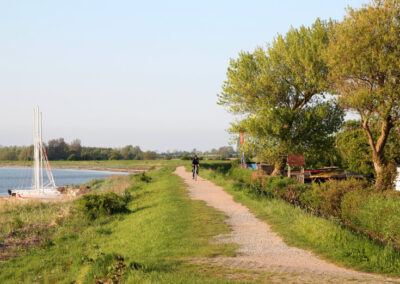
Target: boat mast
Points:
x,y
36,170
40,156
41,150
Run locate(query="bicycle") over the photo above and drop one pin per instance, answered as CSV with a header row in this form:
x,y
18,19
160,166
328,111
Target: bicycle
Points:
x,y
195,171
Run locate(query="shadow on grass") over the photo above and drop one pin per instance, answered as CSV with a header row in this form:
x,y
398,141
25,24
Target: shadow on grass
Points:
x,y
138,209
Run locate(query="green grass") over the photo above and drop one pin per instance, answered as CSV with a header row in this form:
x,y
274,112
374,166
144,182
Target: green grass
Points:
x,y
163,229
326,238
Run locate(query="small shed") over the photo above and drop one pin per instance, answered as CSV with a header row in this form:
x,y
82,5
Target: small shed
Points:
x,y
296,160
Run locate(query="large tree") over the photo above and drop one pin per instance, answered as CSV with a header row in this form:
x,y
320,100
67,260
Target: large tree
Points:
x,y
277,91
364,60
353,148
57,149
355,152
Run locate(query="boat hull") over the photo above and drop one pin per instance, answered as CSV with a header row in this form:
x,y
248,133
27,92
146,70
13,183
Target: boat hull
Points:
x,y
35,193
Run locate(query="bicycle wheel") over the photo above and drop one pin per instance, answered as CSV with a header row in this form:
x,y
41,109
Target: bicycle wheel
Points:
x,y
195,172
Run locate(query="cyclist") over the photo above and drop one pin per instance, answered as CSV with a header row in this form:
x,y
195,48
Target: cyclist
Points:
x,y
195,165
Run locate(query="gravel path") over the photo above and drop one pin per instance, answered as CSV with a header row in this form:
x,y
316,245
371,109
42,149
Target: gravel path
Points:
x,y
262,249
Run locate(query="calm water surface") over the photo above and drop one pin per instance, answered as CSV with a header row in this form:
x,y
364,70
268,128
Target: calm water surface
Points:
x,y
16,178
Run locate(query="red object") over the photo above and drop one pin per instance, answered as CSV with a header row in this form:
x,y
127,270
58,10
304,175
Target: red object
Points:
x,y
296,160
241,138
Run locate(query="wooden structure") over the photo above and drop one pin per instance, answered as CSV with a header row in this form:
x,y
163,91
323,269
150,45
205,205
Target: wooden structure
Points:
x,y
296,160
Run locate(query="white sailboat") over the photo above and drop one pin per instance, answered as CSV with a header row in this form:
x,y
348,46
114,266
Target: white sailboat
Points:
x,y
39,189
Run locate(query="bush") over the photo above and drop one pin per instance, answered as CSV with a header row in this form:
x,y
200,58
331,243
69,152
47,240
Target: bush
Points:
x,y
275,186
376,214
241,175
186,157
96,205
326,198
143,177
350,205
235,163
293,192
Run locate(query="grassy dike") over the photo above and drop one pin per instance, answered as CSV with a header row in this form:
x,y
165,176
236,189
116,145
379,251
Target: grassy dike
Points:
x,y
148,244
325,238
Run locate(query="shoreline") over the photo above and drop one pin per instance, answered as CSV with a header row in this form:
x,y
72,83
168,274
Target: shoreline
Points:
x,y
105,169
6,198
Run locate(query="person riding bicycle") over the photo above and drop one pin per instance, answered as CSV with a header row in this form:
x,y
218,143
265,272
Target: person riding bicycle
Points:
x,y
195,165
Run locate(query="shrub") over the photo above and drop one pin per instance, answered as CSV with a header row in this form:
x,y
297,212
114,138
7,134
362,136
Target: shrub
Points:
x,y
350,205
326,198
143,177
235,163
241,175
95,205
186,157
275,186
376,214
293,192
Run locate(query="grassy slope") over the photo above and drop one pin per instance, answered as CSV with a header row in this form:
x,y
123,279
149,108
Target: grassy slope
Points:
x,y
326,238
164,227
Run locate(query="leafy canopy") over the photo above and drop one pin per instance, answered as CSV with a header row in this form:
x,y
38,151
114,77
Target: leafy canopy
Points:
x,y
275,92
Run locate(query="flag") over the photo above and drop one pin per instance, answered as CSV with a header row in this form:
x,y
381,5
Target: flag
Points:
x,y
241,138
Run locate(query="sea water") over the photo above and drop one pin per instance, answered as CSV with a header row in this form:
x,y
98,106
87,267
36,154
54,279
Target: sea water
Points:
x,y
21,178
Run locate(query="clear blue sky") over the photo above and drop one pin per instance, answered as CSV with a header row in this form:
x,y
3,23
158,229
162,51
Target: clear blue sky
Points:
x,y
146,73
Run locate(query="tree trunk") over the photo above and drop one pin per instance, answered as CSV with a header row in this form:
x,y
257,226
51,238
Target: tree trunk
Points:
x,y
278,167
381,165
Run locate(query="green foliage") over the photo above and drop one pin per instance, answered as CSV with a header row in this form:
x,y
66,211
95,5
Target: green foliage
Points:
x,y
57,149
276,186
363,56
326,198
241,175
131,153
150,155
376,214
96,205
293,193
235,163
186,157
352,144
143,177
276,90
8,156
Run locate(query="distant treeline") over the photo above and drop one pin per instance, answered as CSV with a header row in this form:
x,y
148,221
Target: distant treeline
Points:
x,y
58,149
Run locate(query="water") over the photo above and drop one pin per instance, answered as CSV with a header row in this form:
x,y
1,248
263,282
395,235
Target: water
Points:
x,y
17,178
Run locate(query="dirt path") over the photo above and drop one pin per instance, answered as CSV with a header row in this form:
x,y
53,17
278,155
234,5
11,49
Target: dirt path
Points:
x,y
261,249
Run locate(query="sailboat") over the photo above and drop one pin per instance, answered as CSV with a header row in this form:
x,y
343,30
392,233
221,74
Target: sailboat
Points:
x,y
39,189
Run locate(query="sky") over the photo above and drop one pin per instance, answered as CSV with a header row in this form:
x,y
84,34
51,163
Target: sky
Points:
x,y
147,73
